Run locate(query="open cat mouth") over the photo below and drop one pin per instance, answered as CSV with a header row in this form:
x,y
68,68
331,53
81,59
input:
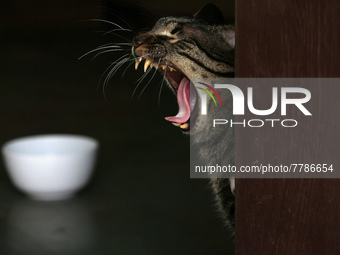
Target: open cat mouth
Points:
x,y
181,86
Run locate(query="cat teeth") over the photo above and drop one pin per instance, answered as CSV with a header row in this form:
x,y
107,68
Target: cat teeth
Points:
x,y
137,63
184,126
149,63
146,65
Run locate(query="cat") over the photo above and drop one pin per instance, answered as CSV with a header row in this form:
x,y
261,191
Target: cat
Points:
x,y
183,48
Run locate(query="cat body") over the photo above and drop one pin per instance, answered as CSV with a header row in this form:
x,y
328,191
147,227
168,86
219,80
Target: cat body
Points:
x,y
184,48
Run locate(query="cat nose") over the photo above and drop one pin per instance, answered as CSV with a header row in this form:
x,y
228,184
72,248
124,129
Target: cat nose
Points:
x,y
141,39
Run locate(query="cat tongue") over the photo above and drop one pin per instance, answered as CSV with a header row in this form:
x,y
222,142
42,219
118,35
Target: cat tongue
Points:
x,y
183,97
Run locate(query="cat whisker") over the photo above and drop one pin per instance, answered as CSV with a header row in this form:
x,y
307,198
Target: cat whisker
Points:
x,y
155,16
112,23
149,80
143,76
115,30
121,37
123,19
132,61
115,68
112,72
140,81
106,70
105,51
129,44
117,48
120,44
161,87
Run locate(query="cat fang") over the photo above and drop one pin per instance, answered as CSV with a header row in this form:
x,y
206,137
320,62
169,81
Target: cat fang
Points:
x,y
148,64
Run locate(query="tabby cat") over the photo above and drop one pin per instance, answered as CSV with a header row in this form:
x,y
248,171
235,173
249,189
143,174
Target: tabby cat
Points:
x,y
183,48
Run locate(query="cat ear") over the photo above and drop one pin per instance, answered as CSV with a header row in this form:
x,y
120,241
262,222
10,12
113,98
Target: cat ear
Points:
x,y
210,14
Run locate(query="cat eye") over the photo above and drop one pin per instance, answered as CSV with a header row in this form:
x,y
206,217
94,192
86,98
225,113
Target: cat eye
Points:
x,y
165,38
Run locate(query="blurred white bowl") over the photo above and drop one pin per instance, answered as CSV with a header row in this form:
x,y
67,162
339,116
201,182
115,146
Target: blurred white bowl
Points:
x,y
50,167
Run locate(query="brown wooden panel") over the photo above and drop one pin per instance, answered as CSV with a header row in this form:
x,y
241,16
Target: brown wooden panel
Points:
x,y
288,216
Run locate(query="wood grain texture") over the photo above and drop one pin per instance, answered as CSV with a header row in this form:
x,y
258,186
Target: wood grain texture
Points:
x,y
289,216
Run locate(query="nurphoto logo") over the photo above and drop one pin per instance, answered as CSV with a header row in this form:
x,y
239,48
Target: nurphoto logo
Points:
x,y
238,98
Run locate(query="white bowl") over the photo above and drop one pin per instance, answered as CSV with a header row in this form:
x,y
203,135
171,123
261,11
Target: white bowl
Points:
x,y
50,167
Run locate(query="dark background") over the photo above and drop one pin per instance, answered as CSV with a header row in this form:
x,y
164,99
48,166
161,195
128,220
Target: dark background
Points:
x,y
141,200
